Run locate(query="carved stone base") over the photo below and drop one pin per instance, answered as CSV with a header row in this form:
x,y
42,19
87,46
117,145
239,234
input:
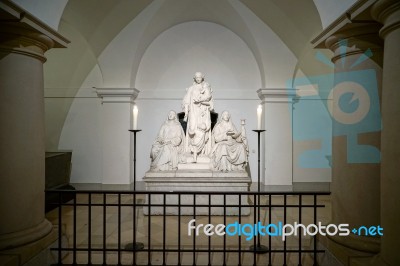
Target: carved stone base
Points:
x,y
197,180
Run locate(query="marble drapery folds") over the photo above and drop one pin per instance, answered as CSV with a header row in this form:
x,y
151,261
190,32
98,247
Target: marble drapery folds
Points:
x,y
169,145
230,149
197,104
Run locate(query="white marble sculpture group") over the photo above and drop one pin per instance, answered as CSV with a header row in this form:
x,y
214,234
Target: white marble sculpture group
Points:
x,y
224,147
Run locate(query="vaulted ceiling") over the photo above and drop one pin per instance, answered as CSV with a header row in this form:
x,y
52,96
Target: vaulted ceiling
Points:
x,y
295,22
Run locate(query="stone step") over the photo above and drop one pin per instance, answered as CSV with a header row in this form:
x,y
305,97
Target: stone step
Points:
x,y
194,166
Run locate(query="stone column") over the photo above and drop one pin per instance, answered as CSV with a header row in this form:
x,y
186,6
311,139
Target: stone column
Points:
x,y
356,137
388,13
116,120
278,142
23,42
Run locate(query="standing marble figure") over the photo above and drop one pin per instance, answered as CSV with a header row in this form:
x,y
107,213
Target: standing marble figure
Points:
x,y
169,145
230,152
197,104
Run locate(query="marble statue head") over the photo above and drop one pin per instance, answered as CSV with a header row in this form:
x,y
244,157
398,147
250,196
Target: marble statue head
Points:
x,y
198,77
172,115
225,116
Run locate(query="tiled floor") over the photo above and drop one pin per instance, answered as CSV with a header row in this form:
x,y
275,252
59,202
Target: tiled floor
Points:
x,y
172,226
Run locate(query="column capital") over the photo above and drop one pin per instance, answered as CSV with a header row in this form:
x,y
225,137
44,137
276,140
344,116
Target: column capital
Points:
x,y
356,30
117,95
357,38
277,95
387,12
357,14
22,33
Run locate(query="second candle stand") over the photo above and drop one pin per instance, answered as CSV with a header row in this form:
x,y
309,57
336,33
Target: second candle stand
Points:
x,y
135,245
258,248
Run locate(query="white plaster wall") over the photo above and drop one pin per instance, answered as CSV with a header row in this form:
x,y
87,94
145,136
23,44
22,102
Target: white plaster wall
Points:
x,y
312,119
82,132
278,143
116,121
117,59
171,60
278,61
65,71
330,10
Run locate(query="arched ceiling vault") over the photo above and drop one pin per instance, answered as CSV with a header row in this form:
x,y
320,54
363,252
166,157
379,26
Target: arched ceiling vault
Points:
x,y
174,12
295,22
99,22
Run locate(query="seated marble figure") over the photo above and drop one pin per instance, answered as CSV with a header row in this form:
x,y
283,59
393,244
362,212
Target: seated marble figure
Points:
x,y
169,145
230,151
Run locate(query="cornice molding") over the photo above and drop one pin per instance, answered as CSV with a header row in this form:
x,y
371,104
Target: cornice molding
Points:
x,y
277,95
22,33
117,95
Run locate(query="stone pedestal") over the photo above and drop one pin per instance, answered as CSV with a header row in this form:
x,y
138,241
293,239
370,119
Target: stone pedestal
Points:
x,y
197,181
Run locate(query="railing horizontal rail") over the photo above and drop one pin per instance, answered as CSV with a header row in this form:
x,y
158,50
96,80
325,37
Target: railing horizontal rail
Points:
x,y
185,205
144,192
189,250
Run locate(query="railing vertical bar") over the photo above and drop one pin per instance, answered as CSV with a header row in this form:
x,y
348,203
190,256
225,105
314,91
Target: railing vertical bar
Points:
x,y
254,238
90,229
119,229
179,229
149,231
315,236
209,222
60,227
164,227
194,235
258,236
104,228
239,237
300,230
74,232
225,234
284,222
269,236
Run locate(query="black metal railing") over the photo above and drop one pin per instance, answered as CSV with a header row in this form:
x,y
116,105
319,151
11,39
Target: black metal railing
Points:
x,y
96,226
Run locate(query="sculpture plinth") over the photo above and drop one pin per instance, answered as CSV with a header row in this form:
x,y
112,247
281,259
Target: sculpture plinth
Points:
x,y
198,180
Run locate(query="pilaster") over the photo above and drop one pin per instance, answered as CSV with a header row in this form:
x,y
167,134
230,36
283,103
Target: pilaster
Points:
x,y
116,119
277,142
